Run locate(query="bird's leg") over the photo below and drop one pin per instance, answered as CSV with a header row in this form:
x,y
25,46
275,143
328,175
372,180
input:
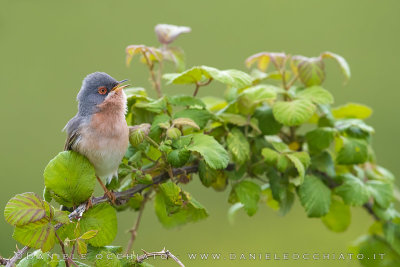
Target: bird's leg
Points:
x,y
107,192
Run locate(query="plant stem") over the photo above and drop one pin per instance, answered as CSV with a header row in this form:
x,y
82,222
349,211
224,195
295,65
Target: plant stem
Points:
x,y
63,250
196,90
73,250
152,142
156,82
198,85
164,252
134,229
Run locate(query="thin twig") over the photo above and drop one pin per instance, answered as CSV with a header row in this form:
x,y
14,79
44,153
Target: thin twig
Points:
x,y
198,85
196,90
156,84
73,250
63,250
17,256
135,228
164,252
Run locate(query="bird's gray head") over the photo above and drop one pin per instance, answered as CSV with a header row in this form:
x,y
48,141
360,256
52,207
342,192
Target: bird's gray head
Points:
x,y
95,88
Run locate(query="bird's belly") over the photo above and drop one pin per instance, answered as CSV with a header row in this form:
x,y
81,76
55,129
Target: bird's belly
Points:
x,y
105,152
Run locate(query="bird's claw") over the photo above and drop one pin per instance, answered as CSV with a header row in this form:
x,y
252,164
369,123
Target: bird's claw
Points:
x,y
89,204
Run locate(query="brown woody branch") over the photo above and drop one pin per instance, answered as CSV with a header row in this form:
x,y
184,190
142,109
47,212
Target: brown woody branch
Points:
x,y
120,199
162,253
124,196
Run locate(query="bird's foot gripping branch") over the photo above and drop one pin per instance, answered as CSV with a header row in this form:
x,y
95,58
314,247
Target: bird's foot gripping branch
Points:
x,y
275,127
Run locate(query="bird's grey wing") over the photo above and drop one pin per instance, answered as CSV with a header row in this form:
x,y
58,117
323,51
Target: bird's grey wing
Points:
x,y
73,134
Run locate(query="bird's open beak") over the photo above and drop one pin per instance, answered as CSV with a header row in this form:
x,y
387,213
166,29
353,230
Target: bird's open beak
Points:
x,y
119,87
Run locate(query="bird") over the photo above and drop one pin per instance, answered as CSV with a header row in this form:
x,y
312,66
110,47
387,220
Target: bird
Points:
x,y
99,130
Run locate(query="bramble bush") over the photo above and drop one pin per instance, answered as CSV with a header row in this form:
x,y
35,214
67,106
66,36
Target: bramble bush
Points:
x,y
274,136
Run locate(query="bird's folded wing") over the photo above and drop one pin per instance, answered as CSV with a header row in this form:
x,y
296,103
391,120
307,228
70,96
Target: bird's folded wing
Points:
x,y
72,139
73,134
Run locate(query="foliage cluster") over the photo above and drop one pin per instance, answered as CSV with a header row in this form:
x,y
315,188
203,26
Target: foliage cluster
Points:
x,y
274,136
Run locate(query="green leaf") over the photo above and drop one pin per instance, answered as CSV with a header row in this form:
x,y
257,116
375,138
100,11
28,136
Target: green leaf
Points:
x,y
89,234
270,156
235,119
94,251
154,54
234,78
61,216
320,138
211,177
214,103
344,66
264,58
41,259
38,234
171,215
101,217
207,175
301,161
135,92
379,173
354,128
70,178
323,162
214,154
259,93
293,113
185,100
339,216
311,71
316,94
238,146
248,193
199,116
252,97
386,214
155,129
352,110
372,247
178,157
352,190
107,259
221,181
137,133
315,196
171,193
266,121
391,231
281,191
382,192
81,246
353,151
24,208
156,106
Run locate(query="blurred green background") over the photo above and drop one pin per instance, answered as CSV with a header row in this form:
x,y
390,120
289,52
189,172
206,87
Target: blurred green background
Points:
x,y
47,47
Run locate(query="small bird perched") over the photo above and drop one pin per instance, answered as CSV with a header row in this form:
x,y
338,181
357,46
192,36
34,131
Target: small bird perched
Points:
x,y
99,130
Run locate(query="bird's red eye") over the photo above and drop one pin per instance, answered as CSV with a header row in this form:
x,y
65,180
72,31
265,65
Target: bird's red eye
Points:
x,y
102,90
